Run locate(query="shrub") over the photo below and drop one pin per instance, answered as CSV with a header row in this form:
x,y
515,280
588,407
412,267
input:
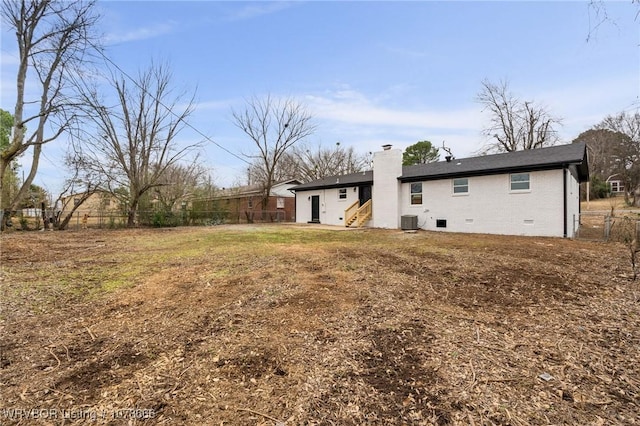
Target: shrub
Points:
x,y
163,219
599,188
24,223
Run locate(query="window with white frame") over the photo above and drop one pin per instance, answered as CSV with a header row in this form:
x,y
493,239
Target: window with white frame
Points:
x,y
520,181
461,186
416,193
342,193
280,203
617,186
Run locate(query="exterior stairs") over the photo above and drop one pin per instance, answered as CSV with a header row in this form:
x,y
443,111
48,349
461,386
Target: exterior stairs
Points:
x,y
357,214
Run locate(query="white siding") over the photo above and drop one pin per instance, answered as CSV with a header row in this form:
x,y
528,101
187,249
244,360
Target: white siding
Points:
x,y
303,206
331,206
491,207
282,190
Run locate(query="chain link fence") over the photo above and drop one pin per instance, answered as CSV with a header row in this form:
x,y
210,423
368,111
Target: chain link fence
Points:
x,y
605,227
33,220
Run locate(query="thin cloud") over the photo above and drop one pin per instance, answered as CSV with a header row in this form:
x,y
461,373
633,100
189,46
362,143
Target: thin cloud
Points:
x,y
608,96
255,10
10,62
212,105
586,103
403,51
367,123
144,33
10,58
350,107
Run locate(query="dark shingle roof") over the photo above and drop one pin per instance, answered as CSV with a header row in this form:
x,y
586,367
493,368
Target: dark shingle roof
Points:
x,y
530,160
549,158
339,181
248,190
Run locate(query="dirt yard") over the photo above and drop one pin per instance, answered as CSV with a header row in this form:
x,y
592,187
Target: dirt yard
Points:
x,y
295,325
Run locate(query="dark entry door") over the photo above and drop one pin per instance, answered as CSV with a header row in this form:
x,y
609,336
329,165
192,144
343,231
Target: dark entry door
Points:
x,y
315,208
364,193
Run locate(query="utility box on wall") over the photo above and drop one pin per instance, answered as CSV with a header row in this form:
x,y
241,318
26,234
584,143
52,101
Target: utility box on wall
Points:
x,y
409,222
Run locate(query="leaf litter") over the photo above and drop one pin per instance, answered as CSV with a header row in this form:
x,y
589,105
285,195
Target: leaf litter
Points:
x,y
318,327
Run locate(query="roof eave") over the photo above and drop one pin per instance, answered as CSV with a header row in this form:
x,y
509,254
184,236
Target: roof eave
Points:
x,y
332,186
485,172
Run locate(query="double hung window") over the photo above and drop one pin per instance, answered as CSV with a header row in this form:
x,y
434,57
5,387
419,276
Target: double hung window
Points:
x,y
461,186
520,182
416,193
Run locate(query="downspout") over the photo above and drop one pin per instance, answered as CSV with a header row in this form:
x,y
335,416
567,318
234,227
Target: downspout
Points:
x,y
564,198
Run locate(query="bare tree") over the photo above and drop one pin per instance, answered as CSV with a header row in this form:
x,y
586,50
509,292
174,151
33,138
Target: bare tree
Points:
x,y
602,144
181,182
598,16
54,39
307,164
133,143
515,124
82,183
274,126
626,151
312,164
629,124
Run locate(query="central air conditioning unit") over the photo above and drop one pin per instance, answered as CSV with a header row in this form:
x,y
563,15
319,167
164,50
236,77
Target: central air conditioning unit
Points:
x,y
409,222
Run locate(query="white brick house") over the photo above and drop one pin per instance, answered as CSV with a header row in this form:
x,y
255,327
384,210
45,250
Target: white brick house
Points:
x,y
533,192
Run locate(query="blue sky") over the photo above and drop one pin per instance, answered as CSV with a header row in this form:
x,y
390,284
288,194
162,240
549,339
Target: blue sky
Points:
x,y
371,72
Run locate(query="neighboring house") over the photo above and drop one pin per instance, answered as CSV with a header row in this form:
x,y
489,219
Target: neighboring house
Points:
x,y
245,203
98,203
617,187
533,192
98,209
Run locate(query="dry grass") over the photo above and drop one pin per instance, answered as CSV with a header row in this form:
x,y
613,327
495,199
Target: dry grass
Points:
x,y
606,204
259,325
596,212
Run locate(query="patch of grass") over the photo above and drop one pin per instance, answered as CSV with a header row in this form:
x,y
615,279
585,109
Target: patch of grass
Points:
x,y
112,285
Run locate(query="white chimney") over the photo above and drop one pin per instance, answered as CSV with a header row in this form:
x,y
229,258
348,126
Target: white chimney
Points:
x,y
386,147
387,168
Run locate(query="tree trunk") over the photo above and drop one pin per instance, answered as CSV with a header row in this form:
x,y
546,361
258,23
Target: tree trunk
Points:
x,y
131,217
265,205
64,223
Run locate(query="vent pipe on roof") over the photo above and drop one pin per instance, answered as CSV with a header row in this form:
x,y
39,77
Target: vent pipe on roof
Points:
x,y
386,147
448,158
